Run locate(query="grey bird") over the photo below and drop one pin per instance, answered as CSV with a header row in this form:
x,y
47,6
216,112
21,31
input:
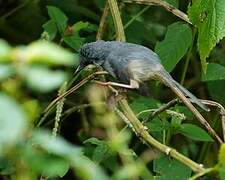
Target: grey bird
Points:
x,y
132,65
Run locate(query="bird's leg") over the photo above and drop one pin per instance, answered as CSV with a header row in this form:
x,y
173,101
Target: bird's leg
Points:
x,y
133,84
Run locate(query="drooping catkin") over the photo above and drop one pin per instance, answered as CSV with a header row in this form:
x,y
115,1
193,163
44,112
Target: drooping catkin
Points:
x,y
59,109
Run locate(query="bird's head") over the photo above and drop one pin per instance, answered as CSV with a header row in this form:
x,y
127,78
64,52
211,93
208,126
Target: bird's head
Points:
x,y
92,53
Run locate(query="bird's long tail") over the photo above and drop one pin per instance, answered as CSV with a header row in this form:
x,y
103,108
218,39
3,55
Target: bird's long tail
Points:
x,y
179,90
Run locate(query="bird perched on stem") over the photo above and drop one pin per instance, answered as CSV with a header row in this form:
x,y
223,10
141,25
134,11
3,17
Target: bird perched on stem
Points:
x,y
132,65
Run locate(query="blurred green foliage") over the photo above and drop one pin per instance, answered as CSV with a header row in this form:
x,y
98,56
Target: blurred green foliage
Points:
x,y
39,47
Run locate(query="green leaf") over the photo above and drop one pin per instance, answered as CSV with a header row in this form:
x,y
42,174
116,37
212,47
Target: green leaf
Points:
x,y
13,122
141,103
101,152
221,157
170,169
218,92
79,26
44,163
51,28
74,40
72,153
214,72
6,167
5,51
43,52
5,71
157,125
194,132
175,45
209,17
58,17
43,79
222,173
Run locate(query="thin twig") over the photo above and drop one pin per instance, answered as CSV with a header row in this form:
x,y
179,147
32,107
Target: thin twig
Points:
x,y
102,25
81,83
198,175
163,4
117,20
142,133
163,108
222,112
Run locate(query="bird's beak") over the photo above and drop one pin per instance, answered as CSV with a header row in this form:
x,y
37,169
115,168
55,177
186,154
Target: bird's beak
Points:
x,y
79,68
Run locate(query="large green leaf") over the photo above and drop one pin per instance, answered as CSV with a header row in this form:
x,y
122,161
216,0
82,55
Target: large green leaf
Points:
x,y
214,72
170,169
142,103
175,45
209,17
12,121
58,17
194,132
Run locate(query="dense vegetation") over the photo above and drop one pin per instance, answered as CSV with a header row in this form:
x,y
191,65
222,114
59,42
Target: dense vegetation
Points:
x,y
93,133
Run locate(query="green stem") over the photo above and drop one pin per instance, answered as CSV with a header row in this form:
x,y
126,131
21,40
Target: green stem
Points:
x,y
14,10
208,170
188,58
133,19
113,6
142,133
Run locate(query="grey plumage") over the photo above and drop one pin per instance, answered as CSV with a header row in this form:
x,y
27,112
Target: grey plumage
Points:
x,y
127,61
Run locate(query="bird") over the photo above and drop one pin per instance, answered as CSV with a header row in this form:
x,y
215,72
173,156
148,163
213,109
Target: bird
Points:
x,y
132,65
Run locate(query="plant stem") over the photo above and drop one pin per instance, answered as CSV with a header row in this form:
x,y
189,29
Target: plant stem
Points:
x,y
117,20
102,24
208,170
163,4
135,17
188,58
142,133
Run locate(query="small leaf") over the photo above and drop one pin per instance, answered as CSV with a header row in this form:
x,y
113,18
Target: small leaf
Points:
x,y
58,17
214,72
175,45
5,51
79,26
13,121
170,169
51,28
74,41
209,17
44,80
194,132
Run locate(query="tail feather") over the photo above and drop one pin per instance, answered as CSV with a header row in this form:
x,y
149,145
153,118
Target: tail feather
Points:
x,y
169,81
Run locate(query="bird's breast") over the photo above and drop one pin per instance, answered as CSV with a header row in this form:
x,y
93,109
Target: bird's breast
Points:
x,y
143,70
